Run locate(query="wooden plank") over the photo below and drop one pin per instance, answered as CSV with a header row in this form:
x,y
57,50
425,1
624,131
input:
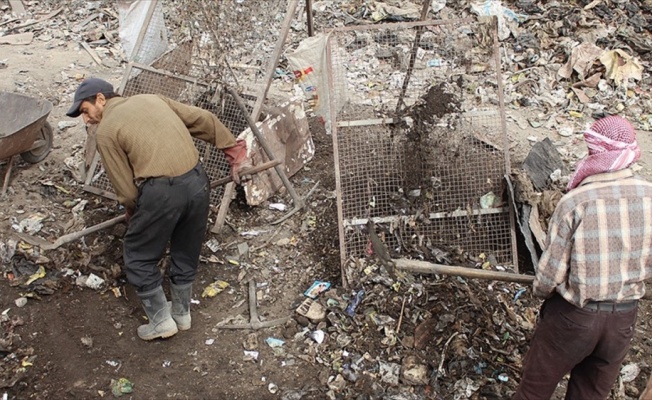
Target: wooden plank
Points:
x,y
17,7
271,68
19,38
439,215
424,267
229,190
85,22
47,17
92,53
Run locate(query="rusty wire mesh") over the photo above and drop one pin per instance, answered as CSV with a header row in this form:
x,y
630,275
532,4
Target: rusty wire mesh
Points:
x,y
213,44
419,140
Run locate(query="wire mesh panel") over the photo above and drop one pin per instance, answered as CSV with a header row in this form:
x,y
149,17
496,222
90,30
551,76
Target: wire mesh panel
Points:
x,y
420,140
220,43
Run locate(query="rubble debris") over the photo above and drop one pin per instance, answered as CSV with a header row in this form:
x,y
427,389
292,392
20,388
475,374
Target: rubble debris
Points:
x,y
542,160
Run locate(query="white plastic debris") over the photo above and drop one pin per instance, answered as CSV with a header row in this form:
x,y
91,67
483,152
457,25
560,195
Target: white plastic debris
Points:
x,y
318,336
629,372
278,206
31,224
213,245
273,388
250,355
91,281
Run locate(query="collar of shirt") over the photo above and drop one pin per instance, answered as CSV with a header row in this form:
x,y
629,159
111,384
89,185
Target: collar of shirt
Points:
x,y
608,176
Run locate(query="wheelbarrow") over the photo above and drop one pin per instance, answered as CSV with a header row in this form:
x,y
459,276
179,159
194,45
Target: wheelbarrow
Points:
x,y
24,130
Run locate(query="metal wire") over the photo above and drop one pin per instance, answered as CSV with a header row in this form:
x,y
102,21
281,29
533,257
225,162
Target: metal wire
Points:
x,y
419,140
219,43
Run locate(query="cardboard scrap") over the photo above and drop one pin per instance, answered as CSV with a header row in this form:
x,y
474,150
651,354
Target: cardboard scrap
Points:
x,y
580,60
621,66
288,136
17,7
19,38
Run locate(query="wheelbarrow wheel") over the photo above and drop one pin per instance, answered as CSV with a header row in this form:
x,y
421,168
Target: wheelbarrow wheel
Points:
x,y
37,154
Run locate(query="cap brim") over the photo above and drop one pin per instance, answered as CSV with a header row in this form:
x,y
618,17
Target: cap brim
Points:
x,y
74,110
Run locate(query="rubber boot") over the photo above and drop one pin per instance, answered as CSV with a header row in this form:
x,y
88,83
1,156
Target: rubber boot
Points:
x,y
180,305
161,324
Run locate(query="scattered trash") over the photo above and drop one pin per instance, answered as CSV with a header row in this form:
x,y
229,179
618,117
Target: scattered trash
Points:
x,y
214,289
66,124
121,386
318,336
213,245
629,372
250,355
350,309
312,310
278,206
272,388
209,342
317,288
21,302
30,225
273,342
36,276
87,341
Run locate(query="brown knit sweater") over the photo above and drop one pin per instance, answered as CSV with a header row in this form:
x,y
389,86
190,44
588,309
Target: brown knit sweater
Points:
x,y
148,135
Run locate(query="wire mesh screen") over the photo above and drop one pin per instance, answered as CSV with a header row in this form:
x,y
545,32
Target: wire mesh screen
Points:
x,y
235,40
420,141
219,43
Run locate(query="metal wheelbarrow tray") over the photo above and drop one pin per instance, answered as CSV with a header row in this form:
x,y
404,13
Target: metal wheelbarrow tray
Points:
x,y
23,130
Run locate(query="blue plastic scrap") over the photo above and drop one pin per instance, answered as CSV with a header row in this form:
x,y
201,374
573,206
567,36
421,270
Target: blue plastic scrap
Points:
x,y
350,309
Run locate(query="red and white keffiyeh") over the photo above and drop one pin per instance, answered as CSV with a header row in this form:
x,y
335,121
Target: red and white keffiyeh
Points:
x,y
612,147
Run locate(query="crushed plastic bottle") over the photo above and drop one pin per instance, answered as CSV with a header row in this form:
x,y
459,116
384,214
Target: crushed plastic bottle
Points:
x,y
350,309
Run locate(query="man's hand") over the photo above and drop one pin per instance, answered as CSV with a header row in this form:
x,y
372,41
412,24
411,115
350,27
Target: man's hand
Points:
x,y
128,214
239,161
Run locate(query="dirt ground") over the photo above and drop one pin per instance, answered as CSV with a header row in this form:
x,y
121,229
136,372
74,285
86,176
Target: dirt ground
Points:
x,y
73,342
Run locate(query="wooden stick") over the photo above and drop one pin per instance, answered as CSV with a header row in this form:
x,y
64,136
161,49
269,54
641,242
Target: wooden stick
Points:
x,y
47,17
45,245
400,317
415,46
250,171
229,190
17,7
311,31
92,53
254,321
423,267
440,368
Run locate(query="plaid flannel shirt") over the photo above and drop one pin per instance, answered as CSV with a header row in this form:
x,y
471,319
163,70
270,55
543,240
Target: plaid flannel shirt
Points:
x,y
599,243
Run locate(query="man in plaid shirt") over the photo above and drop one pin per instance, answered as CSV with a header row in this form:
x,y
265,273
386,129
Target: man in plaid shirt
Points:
x,y
597,256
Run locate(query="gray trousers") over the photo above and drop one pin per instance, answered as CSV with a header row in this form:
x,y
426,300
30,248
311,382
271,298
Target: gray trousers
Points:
x,y
169,210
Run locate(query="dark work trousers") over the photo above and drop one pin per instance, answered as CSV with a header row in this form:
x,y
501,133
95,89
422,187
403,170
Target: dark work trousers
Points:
x,y
173,210
590,344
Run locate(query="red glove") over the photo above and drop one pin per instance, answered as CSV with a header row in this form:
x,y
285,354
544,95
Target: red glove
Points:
x,y
239,161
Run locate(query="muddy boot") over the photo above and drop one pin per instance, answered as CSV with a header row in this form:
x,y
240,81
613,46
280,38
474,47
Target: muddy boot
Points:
x,y
161,324
180,304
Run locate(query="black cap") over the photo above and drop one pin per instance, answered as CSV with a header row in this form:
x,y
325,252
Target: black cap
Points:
x,y
89,87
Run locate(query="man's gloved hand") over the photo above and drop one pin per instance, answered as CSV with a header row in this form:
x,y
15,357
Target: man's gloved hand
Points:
x,y
128,214
239,161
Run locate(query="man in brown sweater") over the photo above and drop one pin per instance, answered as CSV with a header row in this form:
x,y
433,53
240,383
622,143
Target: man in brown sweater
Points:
x,y
145,142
